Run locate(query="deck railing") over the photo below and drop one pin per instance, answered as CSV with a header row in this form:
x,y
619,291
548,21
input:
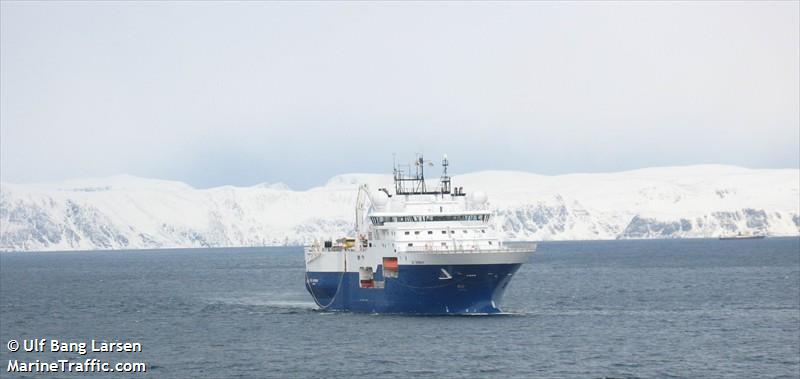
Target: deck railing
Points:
x,y
459,249
466,249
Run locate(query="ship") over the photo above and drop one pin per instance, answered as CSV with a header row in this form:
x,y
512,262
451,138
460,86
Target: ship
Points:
x,y
740,236
416,250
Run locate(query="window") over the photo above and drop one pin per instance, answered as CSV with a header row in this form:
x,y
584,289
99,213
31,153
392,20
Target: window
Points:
x,y
452,231
444,232
407,233
483,230
381,220
490,242
410,244
444,244
416,232
465,232
430,232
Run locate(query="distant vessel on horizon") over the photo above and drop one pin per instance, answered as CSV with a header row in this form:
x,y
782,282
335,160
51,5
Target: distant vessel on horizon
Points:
x,y
740,236
419,250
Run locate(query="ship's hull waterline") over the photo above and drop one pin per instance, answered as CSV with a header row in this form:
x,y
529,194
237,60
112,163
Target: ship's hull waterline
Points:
x,y
417,289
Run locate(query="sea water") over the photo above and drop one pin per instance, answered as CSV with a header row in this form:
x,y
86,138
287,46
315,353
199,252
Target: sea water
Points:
x,y
657,308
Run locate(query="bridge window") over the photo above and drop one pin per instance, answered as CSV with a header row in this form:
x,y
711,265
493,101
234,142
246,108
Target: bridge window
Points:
x,y
378,220
381,220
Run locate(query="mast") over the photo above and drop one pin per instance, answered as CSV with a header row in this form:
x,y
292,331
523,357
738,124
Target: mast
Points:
x,y
445,179
415,184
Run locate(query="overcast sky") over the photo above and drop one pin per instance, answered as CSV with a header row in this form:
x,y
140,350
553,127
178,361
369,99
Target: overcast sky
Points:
x,y
244,93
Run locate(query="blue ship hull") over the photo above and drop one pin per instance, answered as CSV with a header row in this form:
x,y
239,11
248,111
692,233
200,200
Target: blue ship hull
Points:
x,y
417,289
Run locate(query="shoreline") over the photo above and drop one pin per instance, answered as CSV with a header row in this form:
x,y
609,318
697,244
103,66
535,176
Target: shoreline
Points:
x,y
222,248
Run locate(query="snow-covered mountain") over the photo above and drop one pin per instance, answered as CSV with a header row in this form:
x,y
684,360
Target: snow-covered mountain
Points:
x,y
125,212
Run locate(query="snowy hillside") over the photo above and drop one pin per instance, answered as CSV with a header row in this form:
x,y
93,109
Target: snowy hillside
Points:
x,y
129,212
